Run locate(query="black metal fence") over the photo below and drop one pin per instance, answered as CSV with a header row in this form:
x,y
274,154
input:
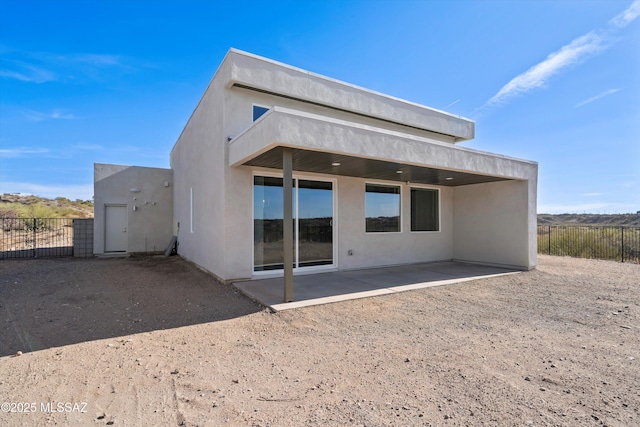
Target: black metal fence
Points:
x,y
36,237
616,243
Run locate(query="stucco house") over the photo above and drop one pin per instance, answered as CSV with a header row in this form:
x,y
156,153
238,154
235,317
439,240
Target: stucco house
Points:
x,y
280,171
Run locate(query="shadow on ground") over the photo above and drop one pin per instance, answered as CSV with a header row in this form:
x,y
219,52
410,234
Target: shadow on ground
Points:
x,y
60,301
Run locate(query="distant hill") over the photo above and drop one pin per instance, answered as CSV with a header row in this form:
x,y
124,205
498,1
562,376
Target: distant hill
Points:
x,y
631,220
27,206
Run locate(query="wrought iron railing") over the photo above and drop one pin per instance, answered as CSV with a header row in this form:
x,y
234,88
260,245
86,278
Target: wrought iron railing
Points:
x,y
36,237
618,243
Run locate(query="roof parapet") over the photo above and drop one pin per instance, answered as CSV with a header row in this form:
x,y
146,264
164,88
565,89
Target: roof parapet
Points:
x,y
265,75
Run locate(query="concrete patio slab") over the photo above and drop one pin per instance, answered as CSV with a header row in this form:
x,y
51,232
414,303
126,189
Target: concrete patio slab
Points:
x,y
324,288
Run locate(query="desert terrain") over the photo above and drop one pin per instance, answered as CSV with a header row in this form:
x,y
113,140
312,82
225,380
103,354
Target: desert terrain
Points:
x,y
156,342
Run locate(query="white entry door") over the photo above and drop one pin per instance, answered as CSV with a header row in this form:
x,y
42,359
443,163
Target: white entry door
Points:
x,y
115,228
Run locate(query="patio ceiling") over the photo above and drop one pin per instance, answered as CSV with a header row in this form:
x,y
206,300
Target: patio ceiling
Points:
x,y
340,164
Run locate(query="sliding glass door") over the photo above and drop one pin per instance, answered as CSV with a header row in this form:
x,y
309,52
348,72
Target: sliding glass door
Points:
x,y
267,223
313,223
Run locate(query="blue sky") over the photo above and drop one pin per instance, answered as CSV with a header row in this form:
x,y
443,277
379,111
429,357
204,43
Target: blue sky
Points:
x,y
557,82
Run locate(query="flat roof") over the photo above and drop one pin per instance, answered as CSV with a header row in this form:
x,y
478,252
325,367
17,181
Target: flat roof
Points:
x,y
255,72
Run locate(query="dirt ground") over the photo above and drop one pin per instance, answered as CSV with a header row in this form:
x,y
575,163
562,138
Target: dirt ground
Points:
x,y
157,342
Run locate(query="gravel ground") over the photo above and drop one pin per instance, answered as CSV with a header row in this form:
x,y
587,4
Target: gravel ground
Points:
x,y
155,341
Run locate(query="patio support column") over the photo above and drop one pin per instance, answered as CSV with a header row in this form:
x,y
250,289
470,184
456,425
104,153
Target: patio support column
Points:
x,y
287,225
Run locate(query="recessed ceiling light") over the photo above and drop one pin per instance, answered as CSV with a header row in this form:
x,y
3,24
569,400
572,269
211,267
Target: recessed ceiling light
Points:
x,y
398,171
449,178
335,164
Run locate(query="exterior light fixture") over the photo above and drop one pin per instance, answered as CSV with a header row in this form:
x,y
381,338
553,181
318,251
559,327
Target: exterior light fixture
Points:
x,y
335,164
398,171
134,190
449,178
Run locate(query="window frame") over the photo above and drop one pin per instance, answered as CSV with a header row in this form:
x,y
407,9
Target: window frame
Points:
x,y
383,184
439,201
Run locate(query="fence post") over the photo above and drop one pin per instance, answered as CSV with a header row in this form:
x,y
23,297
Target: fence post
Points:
x,y
622,244
549,240
35,254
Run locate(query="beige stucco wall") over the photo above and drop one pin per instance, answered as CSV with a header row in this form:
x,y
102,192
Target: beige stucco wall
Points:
x,y
369,249
495,223
300,129
149,226
239,116
265,74
380,249
198,160
207,164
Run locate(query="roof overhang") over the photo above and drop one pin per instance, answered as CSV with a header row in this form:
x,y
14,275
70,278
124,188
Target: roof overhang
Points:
x,y
331,146
245,70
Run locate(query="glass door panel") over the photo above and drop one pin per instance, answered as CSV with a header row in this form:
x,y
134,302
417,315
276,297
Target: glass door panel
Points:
x,y
315,223
267,223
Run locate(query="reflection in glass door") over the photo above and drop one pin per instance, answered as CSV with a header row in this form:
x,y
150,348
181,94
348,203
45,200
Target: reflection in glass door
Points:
x,y
313,223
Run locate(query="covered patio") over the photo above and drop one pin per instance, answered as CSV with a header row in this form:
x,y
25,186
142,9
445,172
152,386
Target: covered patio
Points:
x,y
324,288
490,216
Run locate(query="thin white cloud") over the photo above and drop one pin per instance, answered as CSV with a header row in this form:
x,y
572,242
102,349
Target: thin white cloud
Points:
x,y
15,75
537,76
72,192
36,116
93,59
593,194
21,152
128,148
595,98
569,55
41,67
5,49
623,19
453,103
57,114
27,73
89,147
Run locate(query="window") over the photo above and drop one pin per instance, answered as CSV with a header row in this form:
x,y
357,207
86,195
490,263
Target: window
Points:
x,y
424,210
191,209
382,208
258,111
